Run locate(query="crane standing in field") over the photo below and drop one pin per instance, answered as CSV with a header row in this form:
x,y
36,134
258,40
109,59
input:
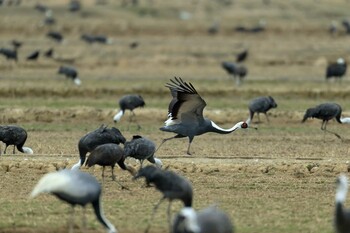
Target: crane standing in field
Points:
x,y
75,188
129,102
170,184
185,114
70,72
235,70
208,220
109,154
16,136
141,148
95,138
261,105
342,215
326,112
336,70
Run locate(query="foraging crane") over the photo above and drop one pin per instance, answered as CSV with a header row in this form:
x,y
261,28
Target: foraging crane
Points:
x,y
16,136
70,72
342,215
261,105
129,102
141,148
336,70
56,36
185,114
242,56
100,136
33,55
10,54
208,220
75,188
235,70
326,112
170,184
108,155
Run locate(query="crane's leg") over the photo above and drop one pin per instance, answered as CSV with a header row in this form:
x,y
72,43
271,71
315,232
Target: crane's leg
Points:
x,y
14,147
84,220
141,163
258,117
153,213
190,139
167,139
169,215
114,179
71,220
323,127
103,175
267,118
5,148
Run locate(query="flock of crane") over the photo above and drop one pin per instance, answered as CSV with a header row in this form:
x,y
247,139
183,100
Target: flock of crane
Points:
x,y
185,119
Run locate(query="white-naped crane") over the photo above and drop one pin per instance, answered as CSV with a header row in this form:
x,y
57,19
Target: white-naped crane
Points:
x,y
100,136
242,56
326,112
171,185
341,215
16,136
141,148
75,188
185,114
129,102
109,154
208,220
261,105
336,70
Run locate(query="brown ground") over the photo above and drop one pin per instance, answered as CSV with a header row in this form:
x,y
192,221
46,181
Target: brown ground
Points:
x,y
279,178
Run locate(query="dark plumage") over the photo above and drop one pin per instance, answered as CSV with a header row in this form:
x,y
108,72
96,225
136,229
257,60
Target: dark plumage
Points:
x,y
70,72
56,36
16,44
208,220
242,56
41,8
170,184
108,155
336,70
49,53
346,25
96,39
16,136
95,138
141,148
185,114
326,112
261,105
33,55
10,54
74,5
75,188
129,102
341,215
235,70
134,45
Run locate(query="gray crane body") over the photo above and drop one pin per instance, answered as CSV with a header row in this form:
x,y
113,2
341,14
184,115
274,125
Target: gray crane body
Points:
x,y
208,220
185,114
75,188
95,138
261,105
14,135
141,148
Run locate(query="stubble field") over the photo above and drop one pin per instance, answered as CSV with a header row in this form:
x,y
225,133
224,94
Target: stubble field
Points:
x,y
279,178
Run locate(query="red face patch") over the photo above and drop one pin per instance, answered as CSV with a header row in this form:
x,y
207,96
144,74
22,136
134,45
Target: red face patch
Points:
x,y
244,125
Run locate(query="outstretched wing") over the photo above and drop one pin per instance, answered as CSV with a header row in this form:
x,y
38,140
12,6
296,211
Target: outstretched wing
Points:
x,y
185,101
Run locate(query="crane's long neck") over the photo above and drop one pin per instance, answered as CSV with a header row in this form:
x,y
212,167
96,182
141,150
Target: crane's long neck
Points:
x,y
97,205
215,128
118,116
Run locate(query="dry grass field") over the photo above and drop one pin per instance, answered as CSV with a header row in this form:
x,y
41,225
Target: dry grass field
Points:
x,y
279,178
